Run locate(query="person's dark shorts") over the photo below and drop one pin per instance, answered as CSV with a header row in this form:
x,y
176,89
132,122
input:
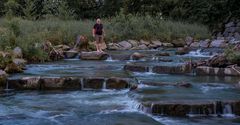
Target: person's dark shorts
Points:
x,y
99,38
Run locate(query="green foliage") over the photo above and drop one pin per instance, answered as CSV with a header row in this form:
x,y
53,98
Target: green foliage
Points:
x,y
29,9
148,27
11,8
233,55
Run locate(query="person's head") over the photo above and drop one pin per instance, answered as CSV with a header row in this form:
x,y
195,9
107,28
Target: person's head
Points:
x,y
98,21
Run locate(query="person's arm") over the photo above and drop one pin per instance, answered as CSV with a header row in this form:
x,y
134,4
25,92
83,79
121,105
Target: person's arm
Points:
x,y
93,32
104,34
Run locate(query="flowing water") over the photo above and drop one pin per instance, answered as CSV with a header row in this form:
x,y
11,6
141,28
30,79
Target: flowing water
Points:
x,y
116,107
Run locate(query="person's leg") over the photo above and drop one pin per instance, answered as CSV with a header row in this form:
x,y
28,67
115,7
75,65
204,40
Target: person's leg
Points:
x,y
100,43
96,43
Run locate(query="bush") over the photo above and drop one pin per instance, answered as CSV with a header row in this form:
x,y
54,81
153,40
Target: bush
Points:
x,y
233,56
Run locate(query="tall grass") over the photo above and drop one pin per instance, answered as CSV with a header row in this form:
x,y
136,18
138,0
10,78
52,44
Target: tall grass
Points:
x,y
27,34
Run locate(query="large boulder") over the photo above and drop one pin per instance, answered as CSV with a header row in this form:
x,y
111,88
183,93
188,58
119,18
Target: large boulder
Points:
x,y
125,45
218,43
93,83
58,83
26,83
117,83
143,47
93,56
70,54
179,43
17,52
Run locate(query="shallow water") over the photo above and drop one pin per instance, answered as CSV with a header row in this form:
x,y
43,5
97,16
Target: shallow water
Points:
x,y
112,107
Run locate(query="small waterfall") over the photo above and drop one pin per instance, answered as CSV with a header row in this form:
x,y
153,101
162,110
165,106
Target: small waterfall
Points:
x,y
82,84
109,59
228,110
104,87
131,58
150,69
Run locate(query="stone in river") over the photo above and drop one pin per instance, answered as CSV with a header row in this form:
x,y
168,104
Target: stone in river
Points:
x,y
93,56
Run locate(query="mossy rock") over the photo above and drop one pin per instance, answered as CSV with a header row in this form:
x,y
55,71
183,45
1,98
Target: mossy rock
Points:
x,y
13,68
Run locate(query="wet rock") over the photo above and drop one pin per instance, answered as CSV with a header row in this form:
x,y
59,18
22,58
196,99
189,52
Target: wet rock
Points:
x,y
133,42
172,69
165,60
134,87
26,83
158,83
117,83
17,52
70,54
205,70
195,45
58,83
93,83
218,43
167,45
137,56
3,77
184,84
93,56
125,45
218,61
13,68
163,54
136,68
184,108
120,56
182,51
204,43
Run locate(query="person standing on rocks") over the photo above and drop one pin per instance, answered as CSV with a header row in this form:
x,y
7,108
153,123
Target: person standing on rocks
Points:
x,y
98,33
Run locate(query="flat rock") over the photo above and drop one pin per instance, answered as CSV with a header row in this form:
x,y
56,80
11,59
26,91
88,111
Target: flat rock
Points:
x,y
71,54
205,70
183,108
136,68
93,56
